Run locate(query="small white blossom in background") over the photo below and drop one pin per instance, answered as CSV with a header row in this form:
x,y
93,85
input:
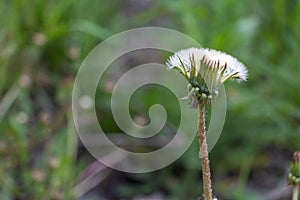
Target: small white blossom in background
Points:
x,y
86,102
206,70
39,39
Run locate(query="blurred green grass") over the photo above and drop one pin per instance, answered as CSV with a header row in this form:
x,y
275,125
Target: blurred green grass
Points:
x,y
43,43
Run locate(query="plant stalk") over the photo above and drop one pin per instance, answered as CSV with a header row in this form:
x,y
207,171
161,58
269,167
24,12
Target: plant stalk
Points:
x,y
295,192
207,188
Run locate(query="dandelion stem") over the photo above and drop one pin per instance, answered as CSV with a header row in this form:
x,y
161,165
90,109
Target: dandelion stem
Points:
x,y
295,192
207,189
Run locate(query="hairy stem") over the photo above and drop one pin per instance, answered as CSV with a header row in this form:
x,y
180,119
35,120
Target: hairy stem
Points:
x,y
207,190
295,192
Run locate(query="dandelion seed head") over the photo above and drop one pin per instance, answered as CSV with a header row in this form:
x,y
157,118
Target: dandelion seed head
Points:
x,y
213,56
215,66
207,69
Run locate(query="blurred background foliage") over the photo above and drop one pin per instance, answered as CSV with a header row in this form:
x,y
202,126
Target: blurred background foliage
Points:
x,y
42,44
